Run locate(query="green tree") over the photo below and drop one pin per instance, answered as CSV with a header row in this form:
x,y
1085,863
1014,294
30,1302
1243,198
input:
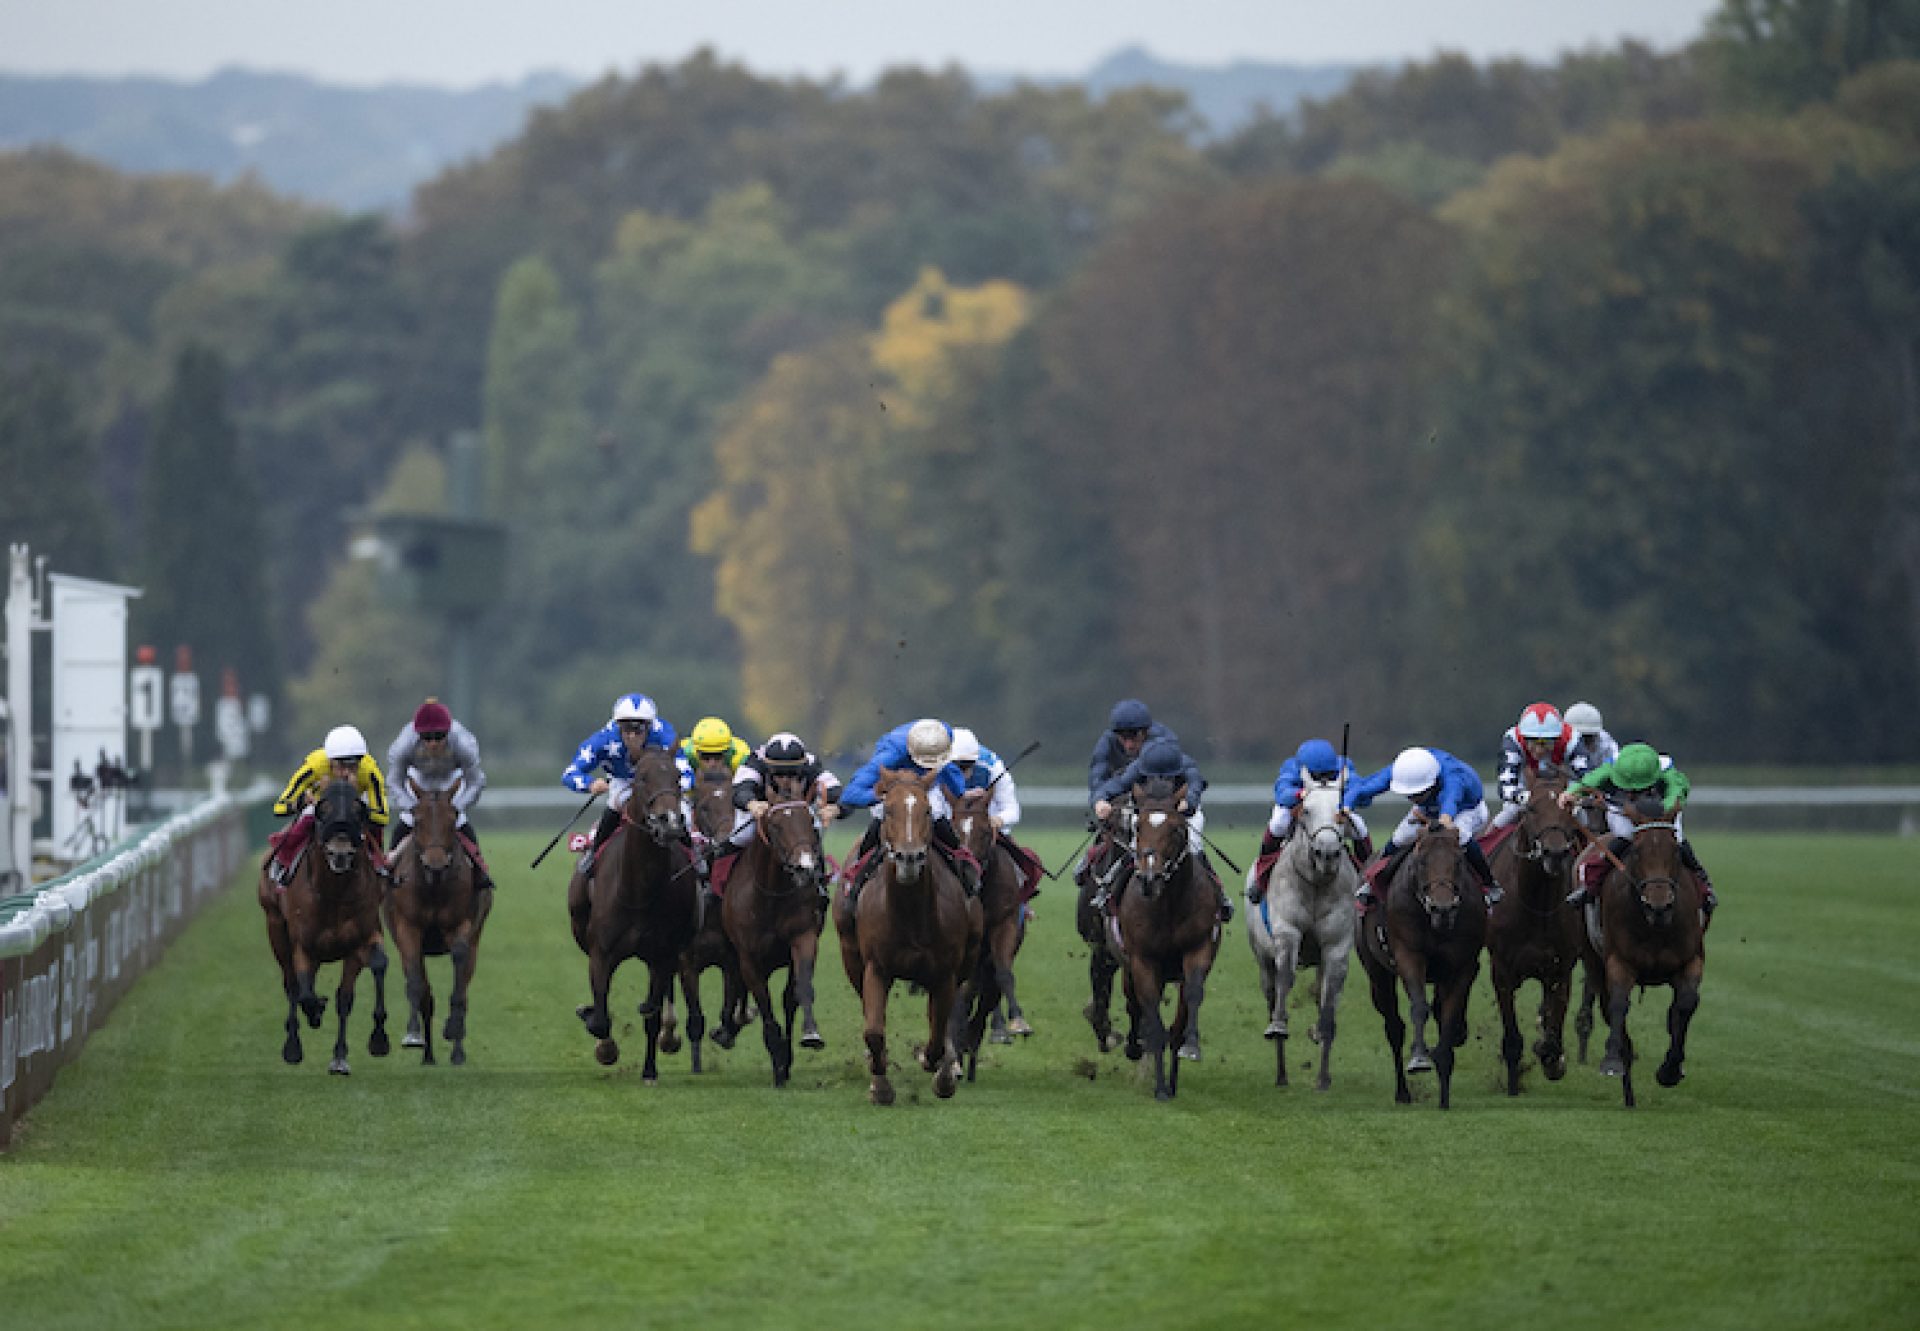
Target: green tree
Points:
x,y
201,538
1783,54
50,492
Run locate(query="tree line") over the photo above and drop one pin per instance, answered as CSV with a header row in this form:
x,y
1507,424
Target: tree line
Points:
x,y
821,408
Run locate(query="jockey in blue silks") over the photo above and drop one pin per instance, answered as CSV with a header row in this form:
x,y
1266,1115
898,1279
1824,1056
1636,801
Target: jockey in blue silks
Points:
x,y
1442,789
636,725
1315,763
924,746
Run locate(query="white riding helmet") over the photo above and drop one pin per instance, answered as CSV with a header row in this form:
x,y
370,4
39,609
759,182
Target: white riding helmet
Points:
x,y
930,743
635,707
1414,771
344,744
966,746
1584,717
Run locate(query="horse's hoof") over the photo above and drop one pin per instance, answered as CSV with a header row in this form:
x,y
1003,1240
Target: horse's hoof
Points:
x,y
459,1057
813,1040
1274,1031
292,1052
1324,1084
881,1092
653,1080
339,1068
413,1040
1191,1051
315,1013
945,1083
1109,1042
378,1044
1402,1097
582,1011
999,1037
1134,1050
1613,1066
1019,1027
1670,1074
924,1054
1420,1062
427,1059
1163,1092
607,1051
722,1038
670,1044
1555,1068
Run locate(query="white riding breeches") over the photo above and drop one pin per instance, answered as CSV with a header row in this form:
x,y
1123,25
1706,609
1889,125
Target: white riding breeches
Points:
x,y
1468,823
1280,822
1622,826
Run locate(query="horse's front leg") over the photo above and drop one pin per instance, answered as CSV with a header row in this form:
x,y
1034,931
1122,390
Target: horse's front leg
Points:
x,y
1511,1042
305,969
779,1046
282,944
343,1007
1006,943
1100,971
1150,1030
660,977
599,1021
941,1013
873,1002
463,952
1186,1017
1686,1001
1619,1059
1551,1048
1387,1003
804,951
1453,1021
1334,956
1590,986
376,954
1412,968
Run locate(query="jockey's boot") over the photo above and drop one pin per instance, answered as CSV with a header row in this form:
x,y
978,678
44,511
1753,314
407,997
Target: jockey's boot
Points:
x,y
1477,860
1707,899
1381,870
1592,872
1269,843
1361,850
1223,909
609,820
397,832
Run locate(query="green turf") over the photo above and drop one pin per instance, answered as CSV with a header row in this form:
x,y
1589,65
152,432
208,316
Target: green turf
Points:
x,y
180,1175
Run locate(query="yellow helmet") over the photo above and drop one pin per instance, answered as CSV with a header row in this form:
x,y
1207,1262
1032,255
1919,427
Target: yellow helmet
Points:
x,y
712,735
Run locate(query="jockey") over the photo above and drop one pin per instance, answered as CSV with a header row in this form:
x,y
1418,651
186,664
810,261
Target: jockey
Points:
x,y
1314,761
1592,746
1534,746
1129,726
436,751
981,769
924,746
344,757
784,769
636,725
1639,771
713,748
1165,758
1442,789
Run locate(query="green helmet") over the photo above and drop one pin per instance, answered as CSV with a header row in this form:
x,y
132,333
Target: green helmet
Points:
x,y
1637,767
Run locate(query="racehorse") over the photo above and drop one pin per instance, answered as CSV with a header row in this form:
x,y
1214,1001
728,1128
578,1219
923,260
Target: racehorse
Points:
x,y
1001,908
435,910
713,819
1435,921
1169,928
1305,918
1651,934
1107,866
1533,934
913,921
642,900
330,911
771,914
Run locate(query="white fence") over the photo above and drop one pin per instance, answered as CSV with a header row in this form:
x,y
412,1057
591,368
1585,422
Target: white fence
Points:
x,y
70,948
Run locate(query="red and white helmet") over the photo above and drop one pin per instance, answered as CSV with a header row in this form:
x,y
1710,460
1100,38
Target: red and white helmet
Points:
x,y
1541,720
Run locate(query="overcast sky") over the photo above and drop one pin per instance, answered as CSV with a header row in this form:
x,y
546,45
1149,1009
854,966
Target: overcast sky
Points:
x,y
464,42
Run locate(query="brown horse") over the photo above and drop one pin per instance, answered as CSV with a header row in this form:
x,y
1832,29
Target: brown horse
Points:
x,y
643,901
436,910
1107,866
1533,934
713,819
772,917
913,921
1651,934
1436,920
1169,928
1000,909
330,911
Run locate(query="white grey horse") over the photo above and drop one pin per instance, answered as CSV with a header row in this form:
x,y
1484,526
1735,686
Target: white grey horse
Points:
x,y
1306,919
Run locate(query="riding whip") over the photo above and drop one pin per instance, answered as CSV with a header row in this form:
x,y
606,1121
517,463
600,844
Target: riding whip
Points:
x,y
563,831
1008,767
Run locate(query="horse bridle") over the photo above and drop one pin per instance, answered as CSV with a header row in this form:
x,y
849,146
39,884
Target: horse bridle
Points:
x,y
1655,914
795,874
1423,893
658,825
1182,848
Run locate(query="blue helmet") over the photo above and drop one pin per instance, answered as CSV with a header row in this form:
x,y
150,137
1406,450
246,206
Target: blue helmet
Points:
x,y
1317,758
1129,714
1162,757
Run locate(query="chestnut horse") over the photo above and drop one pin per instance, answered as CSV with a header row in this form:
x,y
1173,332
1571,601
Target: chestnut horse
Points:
x,y
913,921
713,819
772,917
1169,928
330,911
435,910
1436,920
1000,909
641,901
1651,934
1533,934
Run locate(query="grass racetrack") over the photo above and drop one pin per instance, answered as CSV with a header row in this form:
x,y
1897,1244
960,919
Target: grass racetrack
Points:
x,y
179,1175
